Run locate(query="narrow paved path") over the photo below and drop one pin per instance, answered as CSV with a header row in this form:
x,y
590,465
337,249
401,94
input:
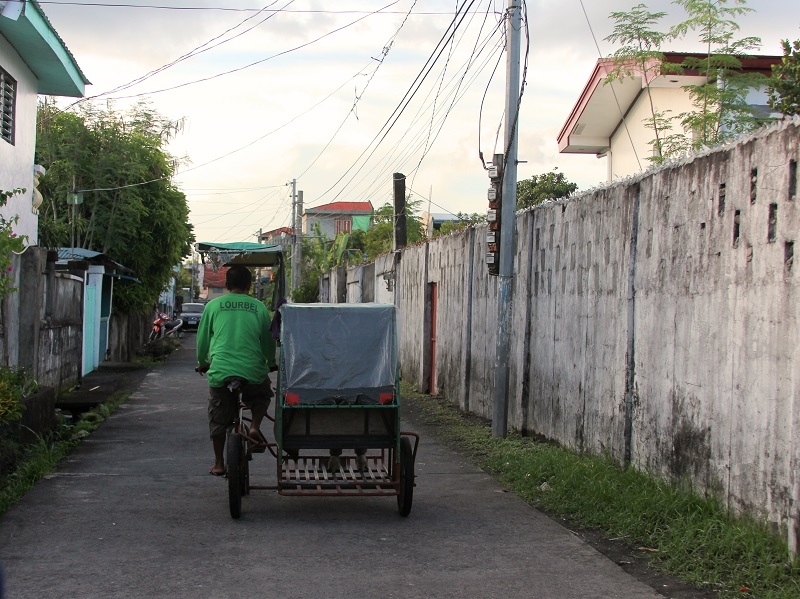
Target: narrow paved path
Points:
x,y
134,513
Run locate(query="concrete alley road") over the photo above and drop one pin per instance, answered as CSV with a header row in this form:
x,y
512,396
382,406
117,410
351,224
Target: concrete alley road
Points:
x,y
134,513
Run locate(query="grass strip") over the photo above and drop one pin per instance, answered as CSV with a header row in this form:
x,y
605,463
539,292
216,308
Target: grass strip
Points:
x,y
690,537
43,456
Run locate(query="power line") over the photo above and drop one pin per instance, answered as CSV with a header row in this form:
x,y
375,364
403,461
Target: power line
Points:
x,y
273,131
613,91
232,9
257,62
415,141
410,93
384,53
425,152
206,46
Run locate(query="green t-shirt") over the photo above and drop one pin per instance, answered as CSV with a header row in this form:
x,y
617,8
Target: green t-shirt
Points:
x,y
234,337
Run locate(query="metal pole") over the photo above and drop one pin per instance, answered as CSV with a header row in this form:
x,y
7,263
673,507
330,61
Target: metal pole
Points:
x,y
507,222
399,226
299,246
293,282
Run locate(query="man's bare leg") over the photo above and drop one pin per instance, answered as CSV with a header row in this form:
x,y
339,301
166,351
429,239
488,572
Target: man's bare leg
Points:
x,y
218,441
257,412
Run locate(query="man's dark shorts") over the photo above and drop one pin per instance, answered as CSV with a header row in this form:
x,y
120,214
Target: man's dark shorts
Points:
x,y
222,408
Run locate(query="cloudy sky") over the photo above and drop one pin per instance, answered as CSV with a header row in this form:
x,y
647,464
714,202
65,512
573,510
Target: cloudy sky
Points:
x,y
339,94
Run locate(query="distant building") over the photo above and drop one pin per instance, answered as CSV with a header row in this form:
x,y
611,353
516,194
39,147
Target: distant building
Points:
x,y
433,221
281,236
596,125
213,283
338,217
33,61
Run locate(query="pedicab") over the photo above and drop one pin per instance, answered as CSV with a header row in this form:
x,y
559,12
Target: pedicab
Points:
x,y
337,426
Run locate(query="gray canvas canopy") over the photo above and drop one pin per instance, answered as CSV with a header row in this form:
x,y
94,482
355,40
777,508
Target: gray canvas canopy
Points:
x,y
341,352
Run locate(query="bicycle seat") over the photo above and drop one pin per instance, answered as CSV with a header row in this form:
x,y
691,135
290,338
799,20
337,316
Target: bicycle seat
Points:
x,y
234,383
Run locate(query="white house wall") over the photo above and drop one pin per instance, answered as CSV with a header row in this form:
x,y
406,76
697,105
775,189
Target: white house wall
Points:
x,y
16,161
630,148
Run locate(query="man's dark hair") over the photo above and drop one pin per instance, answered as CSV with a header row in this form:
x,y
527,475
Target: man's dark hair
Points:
x,y
238,277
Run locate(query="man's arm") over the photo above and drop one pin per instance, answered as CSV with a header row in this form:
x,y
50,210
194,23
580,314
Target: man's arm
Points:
x,y
204,338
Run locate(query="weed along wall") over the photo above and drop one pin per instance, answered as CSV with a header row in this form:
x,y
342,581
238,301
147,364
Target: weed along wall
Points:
x,y
654,320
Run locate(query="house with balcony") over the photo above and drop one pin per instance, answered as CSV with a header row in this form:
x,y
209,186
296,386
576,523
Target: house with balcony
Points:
x,y
34,61
608,119
337,217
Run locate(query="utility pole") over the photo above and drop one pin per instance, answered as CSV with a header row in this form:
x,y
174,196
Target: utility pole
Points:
x,y
259,285
399,228
293,282
508,220
299,247
400,236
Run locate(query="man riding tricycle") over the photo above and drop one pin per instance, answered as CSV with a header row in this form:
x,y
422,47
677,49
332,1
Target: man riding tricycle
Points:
x,y
337,402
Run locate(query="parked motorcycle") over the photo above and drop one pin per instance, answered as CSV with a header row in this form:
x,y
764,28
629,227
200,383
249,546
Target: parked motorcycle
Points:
x,y
163,326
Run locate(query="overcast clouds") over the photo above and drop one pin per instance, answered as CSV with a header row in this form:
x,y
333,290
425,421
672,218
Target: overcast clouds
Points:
x,y
283,118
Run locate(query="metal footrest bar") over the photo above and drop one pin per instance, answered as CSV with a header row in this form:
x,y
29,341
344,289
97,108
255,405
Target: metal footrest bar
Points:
x,y
310,476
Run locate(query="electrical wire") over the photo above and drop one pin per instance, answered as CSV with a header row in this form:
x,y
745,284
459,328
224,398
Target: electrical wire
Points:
x,y
227,9
459,216
425,151
412,141
457,94
257,62
410,93
205,47
240,222
196,51
613,91
279,128
384,53
252,64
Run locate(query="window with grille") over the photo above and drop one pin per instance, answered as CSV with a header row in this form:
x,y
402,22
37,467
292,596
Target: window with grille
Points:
x,y
8,94
343,225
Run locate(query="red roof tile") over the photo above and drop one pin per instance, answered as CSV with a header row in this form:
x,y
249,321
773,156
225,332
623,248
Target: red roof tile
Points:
x,y
343,207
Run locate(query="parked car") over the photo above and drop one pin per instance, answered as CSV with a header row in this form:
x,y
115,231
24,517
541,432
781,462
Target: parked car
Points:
x,y
190,315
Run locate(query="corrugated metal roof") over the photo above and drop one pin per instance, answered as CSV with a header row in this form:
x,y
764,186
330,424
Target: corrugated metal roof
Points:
x,y
90,256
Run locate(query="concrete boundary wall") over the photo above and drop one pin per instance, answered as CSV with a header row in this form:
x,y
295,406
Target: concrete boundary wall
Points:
x,y
654,320
42,321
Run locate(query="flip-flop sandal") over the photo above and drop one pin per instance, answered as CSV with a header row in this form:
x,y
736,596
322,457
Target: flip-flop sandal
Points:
x,y
212,473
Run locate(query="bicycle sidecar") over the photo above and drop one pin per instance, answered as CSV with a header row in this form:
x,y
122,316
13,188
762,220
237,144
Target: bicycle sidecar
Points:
x,y
338,391
337,407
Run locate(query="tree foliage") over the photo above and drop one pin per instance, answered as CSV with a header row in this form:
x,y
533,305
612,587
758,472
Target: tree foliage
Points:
x,y
131,211
548,186
320,254
380,237
784,87
9,242
640,51
720,109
